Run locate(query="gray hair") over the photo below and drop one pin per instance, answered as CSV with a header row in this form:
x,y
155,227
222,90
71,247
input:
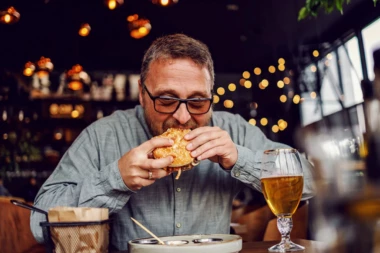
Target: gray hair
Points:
x,y
178,46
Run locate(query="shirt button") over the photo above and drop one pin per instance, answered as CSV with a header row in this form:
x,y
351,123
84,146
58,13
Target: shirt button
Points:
x,y
237,174
178,225
178,189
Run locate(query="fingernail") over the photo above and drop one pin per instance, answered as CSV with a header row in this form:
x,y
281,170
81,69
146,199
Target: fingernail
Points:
x,y
194,153
189,146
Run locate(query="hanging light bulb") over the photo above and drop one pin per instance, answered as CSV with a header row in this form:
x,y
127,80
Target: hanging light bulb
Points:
x,y
77,78
113,4
165,2
138,27
9,16
44,67
29,69
84,30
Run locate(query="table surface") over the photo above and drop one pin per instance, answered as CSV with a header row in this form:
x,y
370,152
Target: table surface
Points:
x,y
262,247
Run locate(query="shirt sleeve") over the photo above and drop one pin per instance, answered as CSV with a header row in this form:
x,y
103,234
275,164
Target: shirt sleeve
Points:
x,y
80,181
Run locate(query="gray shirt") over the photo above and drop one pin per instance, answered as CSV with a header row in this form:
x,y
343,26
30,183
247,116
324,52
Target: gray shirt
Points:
x,y
198,203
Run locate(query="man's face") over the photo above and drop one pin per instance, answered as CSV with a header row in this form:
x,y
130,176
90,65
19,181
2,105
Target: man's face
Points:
x,y
179,78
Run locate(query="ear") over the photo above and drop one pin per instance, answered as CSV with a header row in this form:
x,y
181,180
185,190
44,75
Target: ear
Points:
x,y
140,94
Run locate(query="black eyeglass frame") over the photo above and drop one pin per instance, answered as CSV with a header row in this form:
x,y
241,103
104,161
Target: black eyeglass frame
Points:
x,y
180,100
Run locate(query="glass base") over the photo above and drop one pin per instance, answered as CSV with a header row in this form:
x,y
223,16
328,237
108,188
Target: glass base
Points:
x,y
285,247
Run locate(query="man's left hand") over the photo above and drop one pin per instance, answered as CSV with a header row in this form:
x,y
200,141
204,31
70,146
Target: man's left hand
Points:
x,y
212,143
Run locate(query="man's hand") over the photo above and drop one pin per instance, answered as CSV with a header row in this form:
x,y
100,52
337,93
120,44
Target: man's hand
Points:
x,y
137,165
212,143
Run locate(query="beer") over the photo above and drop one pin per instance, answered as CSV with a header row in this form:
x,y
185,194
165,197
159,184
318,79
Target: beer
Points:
x,y
282,193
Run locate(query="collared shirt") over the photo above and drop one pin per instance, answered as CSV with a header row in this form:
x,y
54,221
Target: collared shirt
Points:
x,y
199,202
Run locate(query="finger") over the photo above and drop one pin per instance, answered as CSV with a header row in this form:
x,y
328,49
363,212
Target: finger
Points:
x,y
207,150
204,138
150,164
148,146
156,174
196,132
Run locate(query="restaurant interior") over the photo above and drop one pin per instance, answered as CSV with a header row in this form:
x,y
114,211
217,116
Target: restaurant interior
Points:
x,y
298,70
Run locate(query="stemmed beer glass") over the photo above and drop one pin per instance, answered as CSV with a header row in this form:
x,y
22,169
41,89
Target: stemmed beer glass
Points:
x,y
282,184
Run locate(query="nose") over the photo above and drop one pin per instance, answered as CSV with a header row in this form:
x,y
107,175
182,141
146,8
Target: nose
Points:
x,y
182,114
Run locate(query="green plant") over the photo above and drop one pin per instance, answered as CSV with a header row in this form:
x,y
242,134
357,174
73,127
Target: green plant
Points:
x,y
312,7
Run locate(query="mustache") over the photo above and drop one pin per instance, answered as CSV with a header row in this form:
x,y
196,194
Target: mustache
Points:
x,y
173,123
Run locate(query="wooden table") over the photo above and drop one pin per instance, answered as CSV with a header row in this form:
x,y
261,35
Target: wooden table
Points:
x,y
262,247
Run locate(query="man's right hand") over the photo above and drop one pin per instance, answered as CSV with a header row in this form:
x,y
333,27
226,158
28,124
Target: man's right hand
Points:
x,y
136,165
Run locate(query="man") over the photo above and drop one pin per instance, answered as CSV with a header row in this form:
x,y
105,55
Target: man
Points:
x,y
109,164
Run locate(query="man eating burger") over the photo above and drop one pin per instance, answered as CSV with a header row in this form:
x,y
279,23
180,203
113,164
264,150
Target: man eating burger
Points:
x,y
115,162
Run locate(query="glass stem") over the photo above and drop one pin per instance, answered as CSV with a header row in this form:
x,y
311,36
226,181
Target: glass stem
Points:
x,y
285,225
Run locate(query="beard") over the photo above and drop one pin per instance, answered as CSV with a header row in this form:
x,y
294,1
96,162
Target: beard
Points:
x,y
158,128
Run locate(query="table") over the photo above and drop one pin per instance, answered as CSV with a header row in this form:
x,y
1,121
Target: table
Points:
x,y
262,247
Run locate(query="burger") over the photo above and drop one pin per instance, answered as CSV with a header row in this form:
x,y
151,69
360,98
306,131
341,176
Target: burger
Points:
x,y
182,159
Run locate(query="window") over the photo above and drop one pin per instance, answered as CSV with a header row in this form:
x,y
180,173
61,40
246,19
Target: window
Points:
x,y
371,41
330,89
351,72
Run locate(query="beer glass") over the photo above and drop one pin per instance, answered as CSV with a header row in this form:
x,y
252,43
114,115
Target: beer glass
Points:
x,y
282,184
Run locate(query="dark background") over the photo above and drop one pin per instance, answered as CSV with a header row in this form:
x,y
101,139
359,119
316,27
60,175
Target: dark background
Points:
x,y
241,34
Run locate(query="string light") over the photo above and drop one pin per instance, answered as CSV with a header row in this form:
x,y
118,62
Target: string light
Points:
x,y
220,91
264,121
315,53
286,80
281,61
313,94
281,67
282,124
265,83
257,71
296,99
252,122
246,74
283,98
271,69
164,2
232,87
275,128
248,84
228,103
216,99
280,84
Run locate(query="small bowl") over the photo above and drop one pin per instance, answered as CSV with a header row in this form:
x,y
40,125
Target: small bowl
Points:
x,y
176,242
208,240
145,241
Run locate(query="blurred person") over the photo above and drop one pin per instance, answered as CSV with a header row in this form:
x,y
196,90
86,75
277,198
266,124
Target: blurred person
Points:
x,y
110,163
31,189
3,190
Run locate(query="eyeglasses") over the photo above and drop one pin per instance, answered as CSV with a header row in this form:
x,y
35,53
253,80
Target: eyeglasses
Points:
x,y
168,105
